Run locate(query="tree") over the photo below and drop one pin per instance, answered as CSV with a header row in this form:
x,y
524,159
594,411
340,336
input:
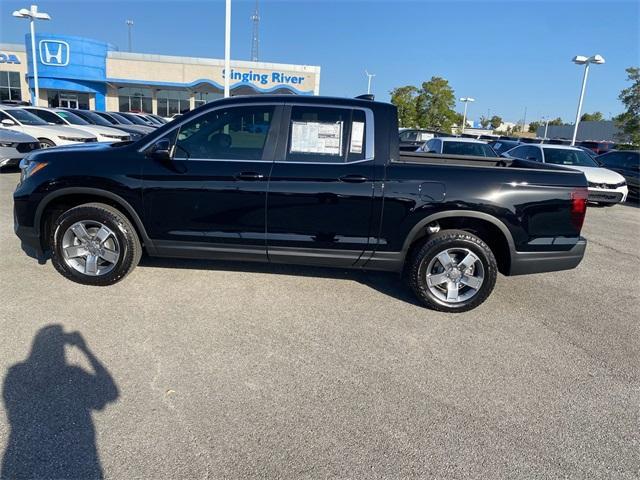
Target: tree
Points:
x,y
533,126
629,121
404,98
556,121
516,128
592,117
484,121
435,104
495,121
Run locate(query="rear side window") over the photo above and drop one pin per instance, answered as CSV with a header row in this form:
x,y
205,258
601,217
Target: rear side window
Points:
x,y
326,134
614,160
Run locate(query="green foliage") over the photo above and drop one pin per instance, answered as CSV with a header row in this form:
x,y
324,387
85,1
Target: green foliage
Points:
x,y
592,117
430,106
495,121
629,121
533,126
484,121
556,121
435,105
405,99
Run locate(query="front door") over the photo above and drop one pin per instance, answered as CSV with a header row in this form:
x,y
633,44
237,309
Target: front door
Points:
x,y
211,197
321,188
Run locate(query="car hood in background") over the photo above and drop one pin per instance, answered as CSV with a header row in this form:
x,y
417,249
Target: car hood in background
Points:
x,y
7,135
102,130
599,175
57,130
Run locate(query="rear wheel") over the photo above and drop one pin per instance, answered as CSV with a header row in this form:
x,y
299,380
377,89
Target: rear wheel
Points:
x,y
452,271
94,244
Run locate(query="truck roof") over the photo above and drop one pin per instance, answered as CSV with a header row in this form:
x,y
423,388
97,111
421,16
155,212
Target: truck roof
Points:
x,y
306,99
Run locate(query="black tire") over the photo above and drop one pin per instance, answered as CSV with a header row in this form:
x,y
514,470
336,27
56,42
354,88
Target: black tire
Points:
x,y
422,255
117,222
46,143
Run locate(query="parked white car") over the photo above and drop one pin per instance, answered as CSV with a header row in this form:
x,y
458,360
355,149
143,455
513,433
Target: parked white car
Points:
x,y
48,135
605,186
56,116
457,146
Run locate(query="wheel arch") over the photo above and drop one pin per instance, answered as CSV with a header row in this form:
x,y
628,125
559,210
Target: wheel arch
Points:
x,y
74,196
503,247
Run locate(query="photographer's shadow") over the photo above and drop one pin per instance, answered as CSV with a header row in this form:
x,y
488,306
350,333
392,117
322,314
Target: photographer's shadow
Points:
x,y
48,404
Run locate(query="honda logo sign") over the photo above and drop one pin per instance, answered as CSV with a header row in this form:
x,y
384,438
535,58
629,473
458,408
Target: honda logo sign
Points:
x,y
54,53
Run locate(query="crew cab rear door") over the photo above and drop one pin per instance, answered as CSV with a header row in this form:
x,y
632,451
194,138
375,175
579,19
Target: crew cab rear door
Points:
x,y
320,192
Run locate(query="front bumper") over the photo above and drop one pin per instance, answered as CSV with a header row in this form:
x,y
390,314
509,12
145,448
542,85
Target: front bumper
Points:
x,y
601,195
29,240
523,263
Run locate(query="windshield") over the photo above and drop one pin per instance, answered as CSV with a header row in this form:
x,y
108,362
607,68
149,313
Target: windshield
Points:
x,y
120,118
94,118
134,118
559,156
72,118
468,148
25,117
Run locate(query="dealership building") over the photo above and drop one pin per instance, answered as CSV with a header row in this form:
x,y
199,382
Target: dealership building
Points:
x,y
79,72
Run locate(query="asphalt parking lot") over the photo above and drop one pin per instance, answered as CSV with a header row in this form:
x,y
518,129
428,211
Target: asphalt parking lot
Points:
x,y
214,370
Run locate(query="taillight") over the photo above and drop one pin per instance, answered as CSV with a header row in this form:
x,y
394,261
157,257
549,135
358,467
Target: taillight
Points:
x,y
578,207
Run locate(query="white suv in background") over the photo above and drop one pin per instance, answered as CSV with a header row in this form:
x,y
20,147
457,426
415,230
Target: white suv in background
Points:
x,y
605,186
48,135
55,116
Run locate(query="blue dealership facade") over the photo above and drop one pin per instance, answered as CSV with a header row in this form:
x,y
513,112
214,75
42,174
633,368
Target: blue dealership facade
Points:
x,y
80,72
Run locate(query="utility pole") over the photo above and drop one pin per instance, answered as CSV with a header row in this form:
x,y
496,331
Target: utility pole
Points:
x,y
129,25
227,49
370,76
524,119
255,38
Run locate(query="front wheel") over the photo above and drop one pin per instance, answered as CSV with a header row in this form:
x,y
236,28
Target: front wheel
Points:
x,y
46,143
94,244
452,271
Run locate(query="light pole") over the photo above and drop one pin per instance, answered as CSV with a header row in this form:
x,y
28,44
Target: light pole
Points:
x,y
227,48
370,76
546,126
465,100
586,61
129,25
32,14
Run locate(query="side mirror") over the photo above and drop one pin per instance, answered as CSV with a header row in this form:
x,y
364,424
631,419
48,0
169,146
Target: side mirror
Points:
x,y
161,150
7,122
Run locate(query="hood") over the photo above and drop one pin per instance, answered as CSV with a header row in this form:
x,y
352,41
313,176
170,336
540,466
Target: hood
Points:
x,y
7,135
101,130
57,130
599,175
46,154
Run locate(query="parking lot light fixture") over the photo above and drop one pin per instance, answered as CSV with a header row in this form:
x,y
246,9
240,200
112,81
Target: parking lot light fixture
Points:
x,y
586,61
33,14
466,101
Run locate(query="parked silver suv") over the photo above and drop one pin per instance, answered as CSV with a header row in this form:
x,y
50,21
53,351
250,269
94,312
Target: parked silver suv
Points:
x,y
14,146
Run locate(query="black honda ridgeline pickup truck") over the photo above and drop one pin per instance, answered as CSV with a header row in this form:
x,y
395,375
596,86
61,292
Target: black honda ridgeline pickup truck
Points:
x,y
304,180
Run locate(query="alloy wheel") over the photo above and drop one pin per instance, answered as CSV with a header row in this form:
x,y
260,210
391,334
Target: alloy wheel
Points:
x,y
90,248
455,275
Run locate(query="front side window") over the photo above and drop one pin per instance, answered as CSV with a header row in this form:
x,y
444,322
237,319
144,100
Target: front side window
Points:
x,y
72,118
227,134
10,86
47,116
577,158
409,136
326,134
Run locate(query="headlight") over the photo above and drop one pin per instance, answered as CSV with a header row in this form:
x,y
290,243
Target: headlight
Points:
x,y
8,144
621,184
29,167
116,137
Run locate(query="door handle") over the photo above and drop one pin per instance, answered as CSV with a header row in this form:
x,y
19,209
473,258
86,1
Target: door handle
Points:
x,y
248,176
353,179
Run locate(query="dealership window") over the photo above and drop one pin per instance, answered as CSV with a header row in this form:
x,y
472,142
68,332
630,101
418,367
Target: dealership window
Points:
x,y
10,86
324,134
131,99
58,99
205,97
171,102
232,134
